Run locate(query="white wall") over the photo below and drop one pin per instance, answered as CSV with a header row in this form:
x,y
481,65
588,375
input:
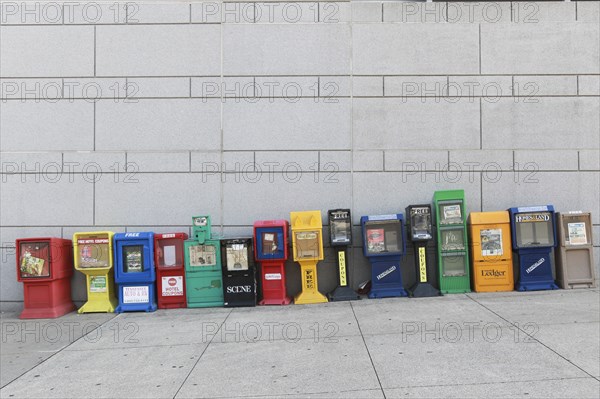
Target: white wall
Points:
x,y
212,108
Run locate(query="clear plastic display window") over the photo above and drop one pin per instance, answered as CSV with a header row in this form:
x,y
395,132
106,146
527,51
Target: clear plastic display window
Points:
x,y
450,213
341,231
270,243
200,221
170,252
307,244
93,251
491,242
93,255
453,265
133,258
384,237
202,255
421,226
534,233
452,239
576,230
34,259
237,257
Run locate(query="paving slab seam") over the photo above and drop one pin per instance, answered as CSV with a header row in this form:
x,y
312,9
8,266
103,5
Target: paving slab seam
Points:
x,y
59,351
133,347
567,323
489,383
212,341
467,328
281,395
200,357
512,294
535,339
331,339
368,352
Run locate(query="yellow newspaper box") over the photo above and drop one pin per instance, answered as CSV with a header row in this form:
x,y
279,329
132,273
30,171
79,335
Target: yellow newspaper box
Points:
x,y
307,244
93,256
491,251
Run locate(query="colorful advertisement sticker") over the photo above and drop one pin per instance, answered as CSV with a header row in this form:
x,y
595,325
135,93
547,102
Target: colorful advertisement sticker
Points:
x,y
172,286
375,240
98,284
136,295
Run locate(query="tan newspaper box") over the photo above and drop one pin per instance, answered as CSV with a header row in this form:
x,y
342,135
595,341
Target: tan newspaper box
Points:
x,y
575,253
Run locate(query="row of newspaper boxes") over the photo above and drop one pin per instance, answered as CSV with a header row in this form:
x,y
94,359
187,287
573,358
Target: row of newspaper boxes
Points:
x,y
143,271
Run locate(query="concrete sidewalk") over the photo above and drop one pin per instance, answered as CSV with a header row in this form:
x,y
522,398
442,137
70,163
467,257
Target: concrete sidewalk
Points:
x,y
538,344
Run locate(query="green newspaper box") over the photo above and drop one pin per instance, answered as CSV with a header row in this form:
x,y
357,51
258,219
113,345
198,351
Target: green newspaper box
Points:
x,y
453,252
203,275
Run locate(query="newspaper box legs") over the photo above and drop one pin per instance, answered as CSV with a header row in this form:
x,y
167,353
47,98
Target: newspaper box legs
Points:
x,y
93,254
44,266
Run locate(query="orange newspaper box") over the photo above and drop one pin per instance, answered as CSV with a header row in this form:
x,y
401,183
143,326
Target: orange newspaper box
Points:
x,y
491,251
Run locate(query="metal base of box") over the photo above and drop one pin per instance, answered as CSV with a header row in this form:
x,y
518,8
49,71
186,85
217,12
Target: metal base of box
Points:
x,y
387,292
282,301
214,304
536,286
343,293
47,313
310,297
97,306
239,304
575,285
138,307
456,291
423,290
172,305
495,288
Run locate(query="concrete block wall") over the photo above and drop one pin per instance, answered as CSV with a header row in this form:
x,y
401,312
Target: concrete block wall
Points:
x,y
136,116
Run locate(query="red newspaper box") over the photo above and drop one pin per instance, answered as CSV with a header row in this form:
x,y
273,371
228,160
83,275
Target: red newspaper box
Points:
x,y
271,251
169,261
45,267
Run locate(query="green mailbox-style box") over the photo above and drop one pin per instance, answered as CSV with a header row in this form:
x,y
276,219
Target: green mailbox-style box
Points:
x,y
453,248
203,275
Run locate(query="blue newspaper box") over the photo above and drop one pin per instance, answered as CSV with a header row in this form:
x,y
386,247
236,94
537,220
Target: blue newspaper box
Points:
x,y
533,237
134,272
384,244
